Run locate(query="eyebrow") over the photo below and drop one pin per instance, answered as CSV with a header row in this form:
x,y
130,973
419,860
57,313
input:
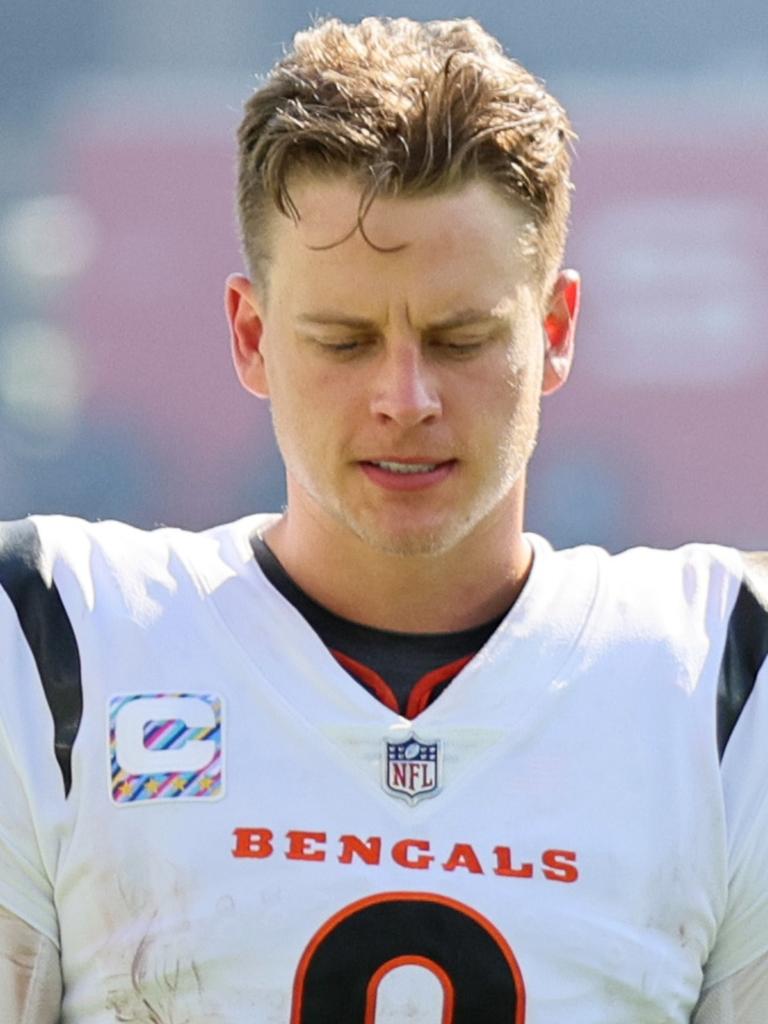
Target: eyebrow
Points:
x,y
335,320
462,318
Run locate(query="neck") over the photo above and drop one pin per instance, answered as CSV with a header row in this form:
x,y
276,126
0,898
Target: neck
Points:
x,y
475,581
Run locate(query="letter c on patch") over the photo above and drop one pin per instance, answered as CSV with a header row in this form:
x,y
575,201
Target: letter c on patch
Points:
x,y
188,710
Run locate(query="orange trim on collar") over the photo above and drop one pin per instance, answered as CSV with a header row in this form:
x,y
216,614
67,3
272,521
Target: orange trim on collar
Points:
x,y
421,693
370,679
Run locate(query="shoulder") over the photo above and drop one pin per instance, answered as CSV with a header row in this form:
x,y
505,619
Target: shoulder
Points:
x,y
717,599
48,558
684,572
74,593
48,562
694,584
678,598
702,609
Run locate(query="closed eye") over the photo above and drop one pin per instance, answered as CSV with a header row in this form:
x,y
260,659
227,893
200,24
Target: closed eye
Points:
x,y
342,346
465,347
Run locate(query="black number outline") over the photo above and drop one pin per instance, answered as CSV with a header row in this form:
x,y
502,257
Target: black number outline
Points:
x,y
345,960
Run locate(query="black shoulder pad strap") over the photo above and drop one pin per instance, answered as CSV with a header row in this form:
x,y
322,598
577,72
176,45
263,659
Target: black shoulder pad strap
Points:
x,y
746,646
46,626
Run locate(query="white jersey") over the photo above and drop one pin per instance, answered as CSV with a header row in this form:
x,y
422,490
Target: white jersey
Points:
x,y
216,823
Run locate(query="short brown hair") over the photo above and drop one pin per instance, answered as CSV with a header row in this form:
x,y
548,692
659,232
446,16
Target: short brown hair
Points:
x,y
408,108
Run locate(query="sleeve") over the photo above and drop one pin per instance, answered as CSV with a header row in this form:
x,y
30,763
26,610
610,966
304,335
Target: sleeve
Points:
x,y
33,756
742,937
30,974
741,998
25,884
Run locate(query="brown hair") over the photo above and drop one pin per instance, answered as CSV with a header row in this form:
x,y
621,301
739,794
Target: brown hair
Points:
x,y
407,108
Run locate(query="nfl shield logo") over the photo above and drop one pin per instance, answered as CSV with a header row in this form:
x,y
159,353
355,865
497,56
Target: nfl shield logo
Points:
x,y
412,769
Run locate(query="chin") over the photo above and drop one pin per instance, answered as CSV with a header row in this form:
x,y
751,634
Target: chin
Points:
x,y
408,546
424,540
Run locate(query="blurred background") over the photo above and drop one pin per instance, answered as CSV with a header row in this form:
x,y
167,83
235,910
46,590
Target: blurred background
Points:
x,y
117,397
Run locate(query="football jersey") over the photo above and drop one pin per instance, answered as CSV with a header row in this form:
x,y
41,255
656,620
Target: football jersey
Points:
x,y
215,823
406,671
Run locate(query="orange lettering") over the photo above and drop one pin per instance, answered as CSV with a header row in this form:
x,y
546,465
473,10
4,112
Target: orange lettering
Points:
x,y
463,856
504,864
560,865
253,842
368,850
300,845
402,848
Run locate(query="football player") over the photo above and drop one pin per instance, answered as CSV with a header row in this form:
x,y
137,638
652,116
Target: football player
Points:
x,y
385,756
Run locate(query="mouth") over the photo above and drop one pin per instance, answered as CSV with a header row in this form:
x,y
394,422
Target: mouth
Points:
x,y
407,474
393,466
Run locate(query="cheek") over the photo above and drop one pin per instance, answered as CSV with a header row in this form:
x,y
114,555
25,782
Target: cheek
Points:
x,y
295,420
518,387
308,420
517,405
290,408
525,377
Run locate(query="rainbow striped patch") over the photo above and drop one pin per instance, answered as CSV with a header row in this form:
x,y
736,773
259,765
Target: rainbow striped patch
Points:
x,y
165,746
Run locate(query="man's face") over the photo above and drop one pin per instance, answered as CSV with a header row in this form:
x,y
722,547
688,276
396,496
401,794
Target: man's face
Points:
x,y
404,384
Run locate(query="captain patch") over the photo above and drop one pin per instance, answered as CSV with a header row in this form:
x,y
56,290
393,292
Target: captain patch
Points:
x,y
165,746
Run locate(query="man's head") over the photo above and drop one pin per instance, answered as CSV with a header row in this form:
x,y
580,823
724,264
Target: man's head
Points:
x,y
404,196
405,109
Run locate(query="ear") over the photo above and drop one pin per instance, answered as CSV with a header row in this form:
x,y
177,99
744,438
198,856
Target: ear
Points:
x,y
246,329
559,328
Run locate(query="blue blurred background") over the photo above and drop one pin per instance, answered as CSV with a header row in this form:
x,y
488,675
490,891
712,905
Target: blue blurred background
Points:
x,y
117,230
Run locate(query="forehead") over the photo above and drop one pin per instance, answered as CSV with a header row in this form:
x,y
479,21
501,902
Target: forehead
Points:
x,y
463,239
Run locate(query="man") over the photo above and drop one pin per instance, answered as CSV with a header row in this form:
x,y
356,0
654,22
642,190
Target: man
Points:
x,y
385,757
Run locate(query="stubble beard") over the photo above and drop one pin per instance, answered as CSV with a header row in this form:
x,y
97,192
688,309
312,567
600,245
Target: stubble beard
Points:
x,y
431,542
508,467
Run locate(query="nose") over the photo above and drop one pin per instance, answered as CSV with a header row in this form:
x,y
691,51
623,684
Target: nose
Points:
x,y
403,388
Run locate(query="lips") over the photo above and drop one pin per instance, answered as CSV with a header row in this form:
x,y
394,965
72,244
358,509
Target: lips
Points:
x,y
407,474
395,466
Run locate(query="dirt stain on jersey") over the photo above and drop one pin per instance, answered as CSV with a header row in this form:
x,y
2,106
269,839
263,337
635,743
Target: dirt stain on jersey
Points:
x,y
162,982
